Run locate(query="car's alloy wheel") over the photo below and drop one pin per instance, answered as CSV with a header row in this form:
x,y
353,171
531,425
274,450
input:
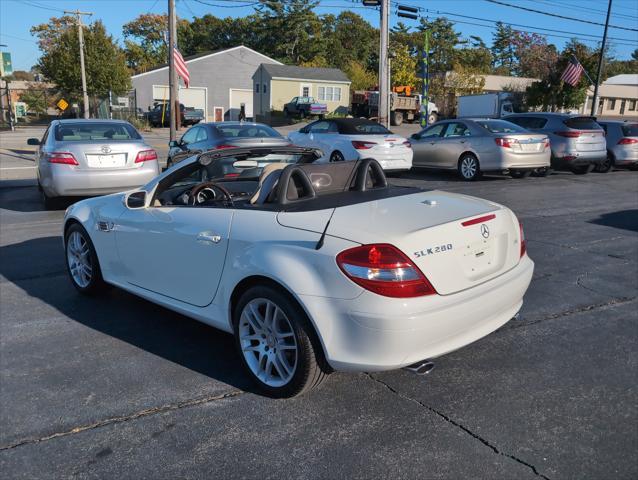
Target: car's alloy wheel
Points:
x,y
469,167
605,166
81,261
268,342
337,156
277,343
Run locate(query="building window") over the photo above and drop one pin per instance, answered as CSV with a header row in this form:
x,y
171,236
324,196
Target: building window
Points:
x,y
264,89
611,104
257,88
632,105
305,91
321,93
329,94
336,96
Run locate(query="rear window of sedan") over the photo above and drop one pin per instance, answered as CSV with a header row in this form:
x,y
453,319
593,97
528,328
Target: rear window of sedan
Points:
x,y
500,126
248,131
103,132
362,127
630,130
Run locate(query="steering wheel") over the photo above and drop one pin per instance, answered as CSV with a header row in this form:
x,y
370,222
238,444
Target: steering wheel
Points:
x,y
195,191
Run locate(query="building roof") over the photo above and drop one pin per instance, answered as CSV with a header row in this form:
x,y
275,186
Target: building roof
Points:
x,y
624,79
305,73
204,56
615,91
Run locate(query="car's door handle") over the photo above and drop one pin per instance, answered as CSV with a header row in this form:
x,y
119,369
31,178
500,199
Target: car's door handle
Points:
x,y
432,143
461,141
208,238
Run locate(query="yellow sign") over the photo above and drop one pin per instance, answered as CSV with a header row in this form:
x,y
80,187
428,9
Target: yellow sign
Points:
x,y
62,104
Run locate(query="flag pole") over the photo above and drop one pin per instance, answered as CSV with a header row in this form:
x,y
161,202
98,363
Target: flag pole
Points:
x,y
600,62
172,76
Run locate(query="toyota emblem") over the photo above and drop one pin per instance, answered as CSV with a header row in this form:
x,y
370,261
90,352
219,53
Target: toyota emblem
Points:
x,y
485,231
106,149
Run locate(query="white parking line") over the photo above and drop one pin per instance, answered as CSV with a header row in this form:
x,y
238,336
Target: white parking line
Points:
x,y
17,168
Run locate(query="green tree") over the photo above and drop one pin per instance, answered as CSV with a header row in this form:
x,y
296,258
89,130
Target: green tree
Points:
x,y
504,50
49,34
475,55
361,78
535,57
404,67
349,37
35,101
443,42
105,63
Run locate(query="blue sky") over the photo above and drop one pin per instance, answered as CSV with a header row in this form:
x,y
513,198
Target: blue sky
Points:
x,y
17,17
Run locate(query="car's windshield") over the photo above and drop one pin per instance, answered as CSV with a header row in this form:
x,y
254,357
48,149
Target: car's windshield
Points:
x,y
630,130
363,128
500,126
247,131
306,100
94,131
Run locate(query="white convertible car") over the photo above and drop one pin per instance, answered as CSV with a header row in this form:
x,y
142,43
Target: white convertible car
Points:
x,y
312,267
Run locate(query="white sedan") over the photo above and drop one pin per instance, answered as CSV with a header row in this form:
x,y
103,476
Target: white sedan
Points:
x,y
312,267
353,139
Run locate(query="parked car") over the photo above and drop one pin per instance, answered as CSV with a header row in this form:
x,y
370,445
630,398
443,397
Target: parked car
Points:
x,y
475,146
160,115
220,135
91,157
577,141
312,267
622,145
305,107
355,138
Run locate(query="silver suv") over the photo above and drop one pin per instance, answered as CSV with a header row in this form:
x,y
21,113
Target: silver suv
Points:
x,y
622,144
577,142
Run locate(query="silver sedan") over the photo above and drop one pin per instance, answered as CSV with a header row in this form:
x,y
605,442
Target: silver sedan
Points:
x,y
91,157
474,146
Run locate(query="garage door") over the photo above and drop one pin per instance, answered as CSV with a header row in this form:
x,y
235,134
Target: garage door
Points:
x,y
190,97
237,97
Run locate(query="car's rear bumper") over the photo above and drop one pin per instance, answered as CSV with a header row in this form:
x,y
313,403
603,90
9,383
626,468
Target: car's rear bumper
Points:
x,y
505,160
577,159
625,155
67,180
392,161
372,333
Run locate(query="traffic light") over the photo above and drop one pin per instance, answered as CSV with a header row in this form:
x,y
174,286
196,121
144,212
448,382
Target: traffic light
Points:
x,y
408,12
371,3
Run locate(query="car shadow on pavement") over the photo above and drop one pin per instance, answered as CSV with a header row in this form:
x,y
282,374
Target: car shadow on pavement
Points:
x,y
121,315
23,196
622,219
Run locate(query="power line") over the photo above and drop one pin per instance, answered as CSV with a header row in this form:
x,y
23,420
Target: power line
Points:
x,y
497,2
569,6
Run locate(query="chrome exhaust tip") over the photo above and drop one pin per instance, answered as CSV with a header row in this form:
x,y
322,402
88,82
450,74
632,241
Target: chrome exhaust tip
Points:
x,y
420,368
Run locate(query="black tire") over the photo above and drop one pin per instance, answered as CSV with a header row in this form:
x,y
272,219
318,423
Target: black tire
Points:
x,y
465,170
302,114
50,203
582,169
396,118
337,156
96,283
543,172
520,173
309,369
605,166
286,112
432,118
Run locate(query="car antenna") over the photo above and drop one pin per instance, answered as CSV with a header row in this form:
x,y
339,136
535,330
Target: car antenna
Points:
x,y
323,234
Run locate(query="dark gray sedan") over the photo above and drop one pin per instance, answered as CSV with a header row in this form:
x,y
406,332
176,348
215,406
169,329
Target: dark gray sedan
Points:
x,y
474,145
214,136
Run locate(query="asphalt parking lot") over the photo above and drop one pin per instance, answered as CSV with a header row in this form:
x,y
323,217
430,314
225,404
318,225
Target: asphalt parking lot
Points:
x,y
116,387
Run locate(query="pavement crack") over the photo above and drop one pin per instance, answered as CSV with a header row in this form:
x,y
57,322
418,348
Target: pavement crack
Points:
x,y
458,425
125,418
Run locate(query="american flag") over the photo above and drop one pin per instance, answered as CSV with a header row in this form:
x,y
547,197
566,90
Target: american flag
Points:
x,y
573,72
180,66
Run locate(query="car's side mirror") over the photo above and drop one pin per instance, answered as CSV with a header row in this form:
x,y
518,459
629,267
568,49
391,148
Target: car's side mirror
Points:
x,y
136,200
33,141
173,143
415,136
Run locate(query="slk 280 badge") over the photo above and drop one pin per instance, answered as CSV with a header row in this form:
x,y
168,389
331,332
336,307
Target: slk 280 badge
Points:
x,y
433,250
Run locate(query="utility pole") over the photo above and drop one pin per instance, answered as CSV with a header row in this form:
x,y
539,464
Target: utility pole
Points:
x,y
594,104
172,74
384,88
85,96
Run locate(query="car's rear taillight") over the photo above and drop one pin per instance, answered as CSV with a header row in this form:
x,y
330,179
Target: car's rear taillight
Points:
x,y
627,141
407,144
361,145
505,142
223,147
146,156
546,143
385,270
569,133
523,243
64,158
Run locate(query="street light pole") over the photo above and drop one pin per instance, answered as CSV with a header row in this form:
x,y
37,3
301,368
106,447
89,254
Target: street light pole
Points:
x,y
594,104
382,108
85,96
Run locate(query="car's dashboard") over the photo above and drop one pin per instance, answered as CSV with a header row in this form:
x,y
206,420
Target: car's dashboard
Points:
x,y
217,193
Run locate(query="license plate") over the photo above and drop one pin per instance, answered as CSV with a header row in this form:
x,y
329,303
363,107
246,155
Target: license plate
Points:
x,y
529,147
106,161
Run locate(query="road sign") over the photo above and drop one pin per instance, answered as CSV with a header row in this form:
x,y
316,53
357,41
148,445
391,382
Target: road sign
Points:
x,y
62,104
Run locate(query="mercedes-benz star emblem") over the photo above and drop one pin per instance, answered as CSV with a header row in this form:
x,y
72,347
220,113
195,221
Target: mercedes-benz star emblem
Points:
x,y
485,231
106,149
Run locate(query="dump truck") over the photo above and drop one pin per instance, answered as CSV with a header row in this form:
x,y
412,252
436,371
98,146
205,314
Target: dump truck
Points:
x,y
402,107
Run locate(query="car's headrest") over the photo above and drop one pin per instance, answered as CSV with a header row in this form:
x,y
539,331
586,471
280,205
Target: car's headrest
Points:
x,y
263,191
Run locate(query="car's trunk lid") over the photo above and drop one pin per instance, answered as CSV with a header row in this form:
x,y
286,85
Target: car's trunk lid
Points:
x,y
429,228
